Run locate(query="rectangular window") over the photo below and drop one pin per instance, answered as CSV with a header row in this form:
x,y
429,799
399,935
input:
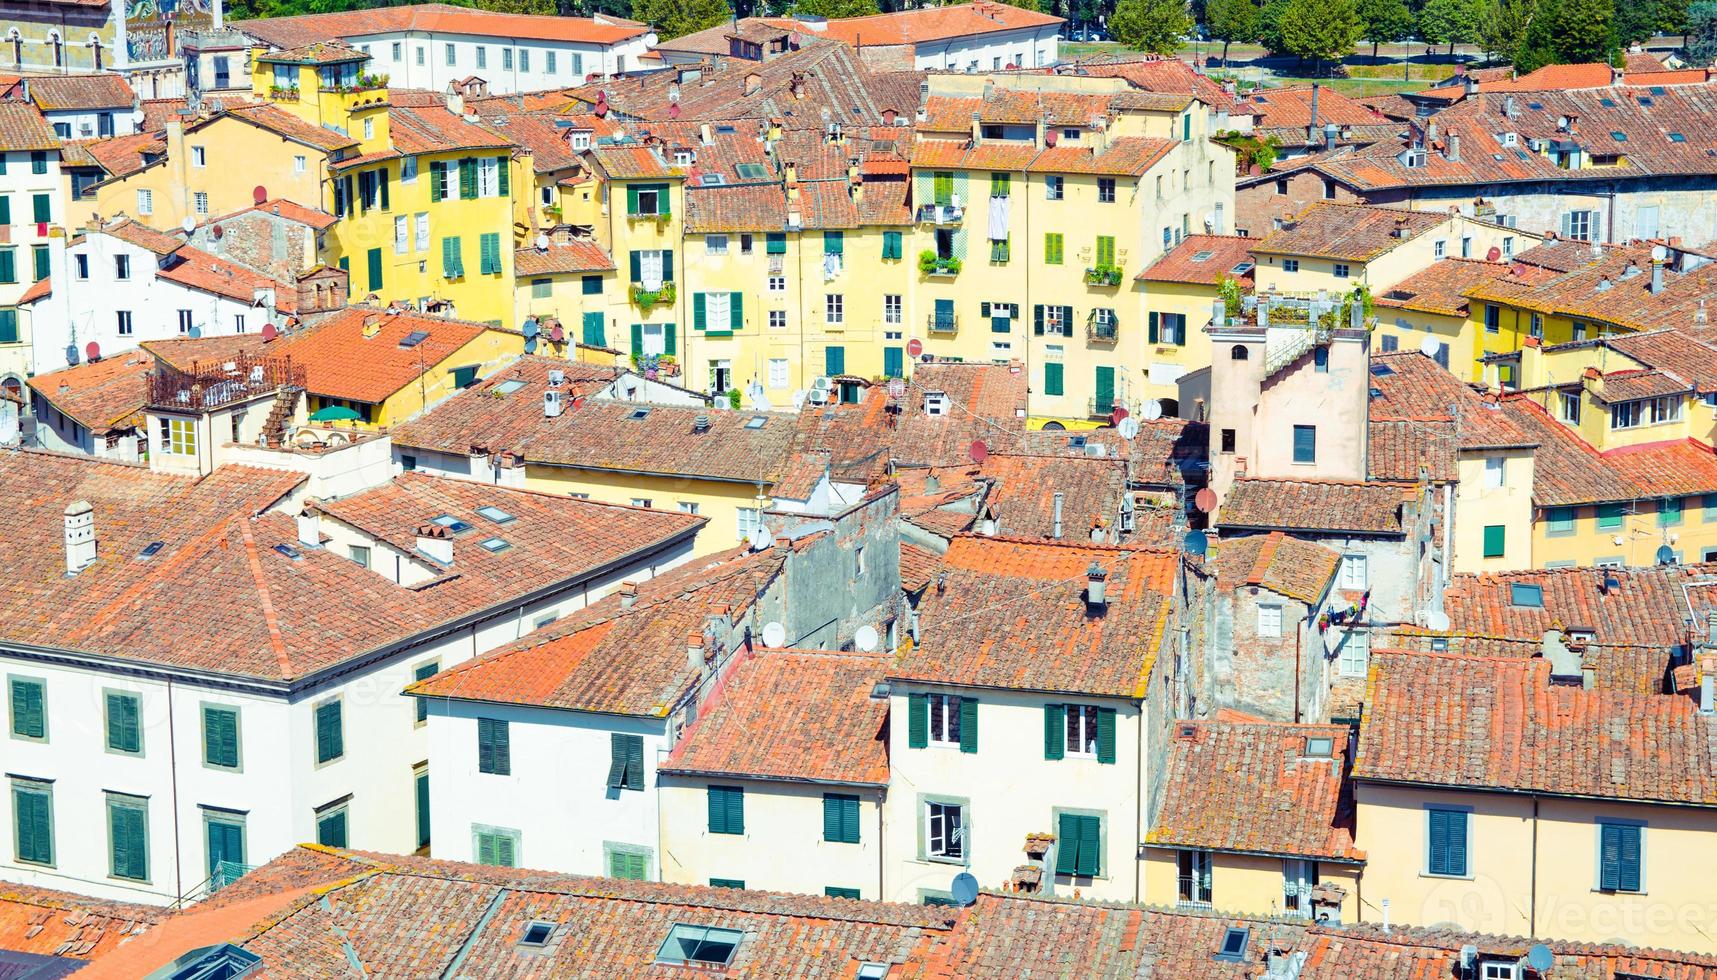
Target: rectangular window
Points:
x,y
29,708
420,229
524,59
727,810
1492,318
496,847
1052,248
1570,405
1559,520
181,437
834,308
1355,653
1193,877
1079,845
1053,188
944,831
220,737
1627,415
128,837
1305,444
892,308
777,369
494,751
122,267
840,818
542,288
1341,270
401,234
1494,469
330,732
1446,843
1354,573
124,711
1105,190
630,863
1495,540
1288,265
33,822
777,319
1269,620
715,244
506,59
777,284
482,55
1609,517
1619,853
1081,729
40,212
944,719
124,322
625,762
1669,512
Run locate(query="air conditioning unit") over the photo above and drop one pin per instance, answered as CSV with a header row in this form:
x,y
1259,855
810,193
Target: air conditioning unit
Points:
x,y
822,384
817,396
553,404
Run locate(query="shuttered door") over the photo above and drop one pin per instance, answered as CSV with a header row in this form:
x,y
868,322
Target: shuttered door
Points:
x,y
1105,389
1053,384
593,332
375,268
226,844
893,362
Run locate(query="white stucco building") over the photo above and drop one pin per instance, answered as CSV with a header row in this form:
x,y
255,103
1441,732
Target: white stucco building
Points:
x,y
982,36
31,205
162,733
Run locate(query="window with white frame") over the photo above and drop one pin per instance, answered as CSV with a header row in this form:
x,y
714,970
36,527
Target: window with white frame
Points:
x,y
300,164
421,220
1571,407
777,319
777,372
777,284
944,719
1495,470
1439,248
945,831
401,234
1626,415
1270,620
1499,970
1082,729
1354,573
1355,653
200,200
1666,408
145,201
407,170
650,268
488,177
715,244
581,141
834,308
749,520
199,156
891,308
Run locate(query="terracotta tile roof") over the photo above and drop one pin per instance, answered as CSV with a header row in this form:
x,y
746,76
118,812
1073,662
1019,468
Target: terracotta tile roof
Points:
x,y
1291,108
1638,668
1615,288
1364,950
605,435
1671,350
1011,613
1129,156
1313,505
76,927
363,159
327,52
291,210
1646,609
816,157
194,268
574,255
885,202
1159,74
1170,453
917,567
930,24
1015,106
66,93
434,17
1023,495
793,715
1414,388
504,410
1288,566
23,128
1631,384
1347,231
1642,70
1486,723
548,143
184,353
122,155
1568,471
633,161
432,128
283,123
607,658
1441,287
750,207
801,476
1204,260
141,235
40,289
100,395
340,362
1253,788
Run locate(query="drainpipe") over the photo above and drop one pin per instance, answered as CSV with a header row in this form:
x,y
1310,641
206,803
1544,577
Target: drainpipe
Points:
x,y
1532,892
1138,807
173,769
881,849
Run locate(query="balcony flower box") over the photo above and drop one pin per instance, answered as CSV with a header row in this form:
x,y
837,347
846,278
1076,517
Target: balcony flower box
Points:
x,y
1103,275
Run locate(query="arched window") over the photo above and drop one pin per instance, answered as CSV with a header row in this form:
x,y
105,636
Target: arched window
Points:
x,y
59,48
1238,352
17,41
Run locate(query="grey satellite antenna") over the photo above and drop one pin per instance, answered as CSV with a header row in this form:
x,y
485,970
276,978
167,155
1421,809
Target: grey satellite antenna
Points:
x,y
865,639
774,635
964,889
1540,958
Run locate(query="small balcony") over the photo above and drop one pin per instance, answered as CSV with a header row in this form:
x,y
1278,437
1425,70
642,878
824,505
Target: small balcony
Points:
x,y
1102,327
1101,406
943,323
943,266
647,299
1103,275
208,386
941,215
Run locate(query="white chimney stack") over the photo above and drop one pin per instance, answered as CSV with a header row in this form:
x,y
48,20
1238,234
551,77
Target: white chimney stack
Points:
x,y
436,542
1096,586
80,536
628,594
1056,532
310,528
1707,694
694,652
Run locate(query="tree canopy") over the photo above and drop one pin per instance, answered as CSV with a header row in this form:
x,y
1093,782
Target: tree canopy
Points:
x,y
677,18
1385,21
1232,20
1320,29
1156,26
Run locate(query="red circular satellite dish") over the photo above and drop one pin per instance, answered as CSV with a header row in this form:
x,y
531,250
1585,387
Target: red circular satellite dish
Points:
x,y
1494,254
556,334
218,233
1120,413
980,452
269,333
259,193
914,347
1205,500
92,351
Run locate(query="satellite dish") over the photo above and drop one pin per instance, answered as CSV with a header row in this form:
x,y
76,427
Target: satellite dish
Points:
x,y
1204,500
1494,254
760,538
1659,253
195,332
1118,413
1129,428
1540,958
980,452
556,334
529,327
189,224
865,639
219,232
896,388
1665,555
530,345
259,194
92,350
914,347
1429,347
542,243
1151,410
1437,619
269,333
964,889
1197,543
774,635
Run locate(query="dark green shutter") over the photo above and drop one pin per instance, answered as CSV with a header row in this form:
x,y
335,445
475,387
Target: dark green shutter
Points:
x,y
632,204
40,254
1105,388
505,848
834,243
833,892
737,883
226,845
28,717
220,737
699,322
5,209
1054,731
635,761
1090,846
423,673
452,264
840,818
1106,736
736,810
834,361
331,829
736,310
593,332
467,178
128,833
891,245
918,721
1154,328
382,178
636,260
894,362
375,264
330,744
436,168
505,180
422,786
616,760
667,265
8,265
493,751
1053,382
1037,319
968,725
638,339
123,733
485,848
35,824
593,285
776,243
670,339
1067,840
726,810
8,325
1619,858
1495,540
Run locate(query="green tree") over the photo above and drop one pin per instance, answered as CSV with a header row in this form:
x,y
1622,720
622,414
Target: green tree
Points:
x,y
1270,26
1702,32
1321,29
836,8
1154,26
1230,21
1582,30
1385,20
1450,21
677,18
1635,20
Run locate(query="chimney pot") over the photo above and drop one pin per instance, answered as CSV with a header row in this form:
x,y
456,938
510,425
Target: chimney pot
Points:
x,y
1056,529
1656,276
80,536
1096,586
310,528
628,594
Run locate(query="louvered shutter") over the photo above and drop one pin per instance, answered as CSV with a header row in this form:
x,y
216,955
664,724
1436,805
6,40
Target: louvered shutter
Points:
x,y
35,826
636,266
1090,845
670,339
1054,728
968,725
635,761
1154,335
422,788
5,209
1630,859
1037,319
1053,382
382,177
831,817
667,265
699,322
638,339
918,721
467,178
632,204
1067,324
850,820
1106,736
436,175
736,310
593,332
1067,842
486,849
505,181
616,760
1609,857
505,848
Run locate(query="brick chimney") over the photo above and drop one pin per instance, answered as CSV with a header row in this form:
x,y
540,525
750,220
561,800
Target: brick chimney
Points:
x,y
436,542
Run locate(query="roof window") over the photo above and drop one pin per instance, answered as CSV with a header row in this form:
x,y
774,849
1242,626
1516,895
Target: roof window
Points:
x,y
494,545
288,551
1645,101
493,513
756,422
639,414
1618,136
1203,256
413,339
1381,370
873,971
750,171
724,128
1439,644
1535,106
1657,90
1319,747
1677,138
1233,945
1242,268
451,523
699,946
1607,103
1526,596
1076,442
713,180
151,549
537,934
509,386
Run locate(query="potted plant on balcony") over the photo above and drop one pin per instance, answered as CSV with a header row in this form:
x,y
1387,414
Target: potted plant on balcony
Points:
x,y
1103,275
647,300
931,264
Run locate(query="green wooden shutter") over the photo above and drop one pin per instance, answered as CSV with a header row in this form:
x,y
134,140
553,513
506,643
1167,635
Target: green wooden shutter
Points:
x,y
776,243
616,760
831,891
8,265
129,834
123,733
700,323
1153,330
891,245
331,829
638,339
436,168
737,883
670,339
726,810
5,209
944,187
918,721
894,362
636,263
452,266
834,243
467,178
1105,250
850,820
8,325
736,310
1090,846
504,180
834,360
375,266
220,737
736,810
1495,540
592,285
1106,736
485,848
632,202
506,851
40,254
35,824
226,845
330,743
1054,731
1053,380
635,761
593,332
28,717
664,199
1037,319
421,779
840,818
39,212
423,673
1067,841
968,725
667,265
1105,388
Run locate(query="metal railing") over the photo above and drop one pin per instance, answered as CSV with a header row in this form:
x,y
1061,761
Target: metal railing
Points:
x,y
941,322
1102,326
207,386
940,214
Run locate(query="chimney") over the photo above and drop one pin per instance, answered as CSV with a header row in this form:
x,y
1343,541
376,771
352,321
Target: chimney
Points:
x,y
1707,686
372,325
977,130
80,536
1508,106
932,483
700,423
1430,132
1469,84
310,528
628,594
1096,584
1454,148
1656,276
1313,125
753,83
1056,531
436,542
1616,77
456,101
694,652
